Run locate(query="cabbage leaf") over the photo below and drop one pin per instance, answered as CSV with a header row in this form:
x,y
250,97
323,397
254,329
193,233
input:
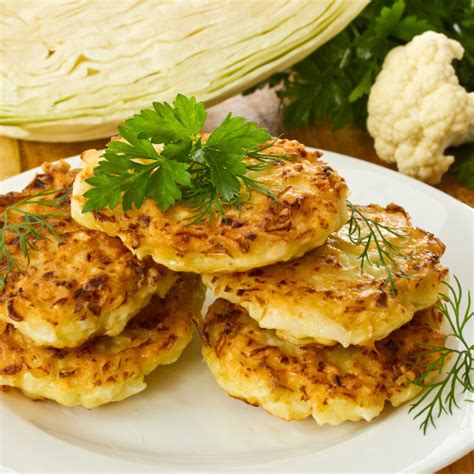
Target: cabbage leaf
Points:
x,y
73,70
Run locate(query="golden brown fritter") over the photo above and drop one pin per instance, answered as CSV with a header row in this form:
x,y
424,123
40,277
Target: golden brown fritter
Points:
x,y
311,206
78,285
333,384
323,297
107,369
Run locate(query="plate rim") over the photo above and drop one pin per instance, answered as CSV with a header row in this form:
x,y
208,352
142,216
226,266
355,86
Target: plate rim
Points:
x,y
390,172
437,459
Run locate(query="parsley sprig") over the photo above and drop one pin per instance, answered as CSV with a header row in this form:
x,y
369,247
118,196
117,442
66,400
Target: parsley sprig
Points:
x,y
370,234
29,228
441,395
207,176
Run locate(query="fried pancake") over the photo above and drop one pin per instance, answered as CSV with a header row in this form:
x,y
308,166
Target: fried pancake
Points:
x,y
311,206
323,297
77,284
107,369
333,384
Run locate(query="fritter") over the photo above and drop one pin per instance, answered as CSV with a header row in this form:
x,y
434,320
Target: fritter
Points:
x,y
107,369
333,384
78,283
324,297
311,204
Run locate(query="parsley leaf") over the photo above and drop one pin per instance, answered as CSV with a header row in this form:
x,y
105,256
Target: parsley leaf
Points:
x,y
225,170
234,135
175,127
205,176
164,184
226,149
119,177
387,22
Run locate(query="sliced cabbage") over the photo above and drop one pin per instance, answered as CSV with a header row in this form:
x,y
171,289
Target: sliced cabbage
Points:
x,y
71,70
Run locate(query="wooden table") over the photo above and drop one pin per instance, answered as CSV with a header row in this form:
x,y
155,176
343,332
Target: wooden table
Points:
x,y
262,107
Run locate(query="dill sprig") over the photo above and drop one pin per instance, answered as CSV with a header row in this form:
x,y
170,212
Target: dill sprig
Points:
x,y
371,234
440,396
29,228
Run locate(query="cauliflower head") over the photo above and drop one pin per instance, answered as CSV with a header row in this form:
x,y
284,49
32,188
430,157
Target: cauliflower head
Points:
x,y
417,108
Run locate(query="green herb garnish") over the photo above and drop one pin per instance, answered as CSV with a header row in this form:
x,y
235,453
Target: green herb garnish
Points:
x,y
207,177
440,396
29,229
371,234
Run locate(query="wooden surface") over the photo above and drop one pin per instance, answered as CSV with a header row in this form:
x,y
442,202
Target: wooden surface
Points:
x,y
262,107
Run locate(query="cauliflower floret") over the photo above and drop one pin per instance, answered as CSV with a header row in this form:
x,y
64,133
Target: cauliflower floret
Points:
x,y
417,108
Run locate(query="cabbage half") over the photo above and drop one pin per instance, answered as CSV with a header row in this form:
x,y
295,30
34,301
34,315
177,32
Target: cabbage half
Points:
x,y
71,70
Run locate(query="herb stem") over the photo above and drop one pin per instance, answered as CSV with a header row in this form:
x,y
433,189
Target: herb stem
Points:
x,y
457,378
387,252
30,229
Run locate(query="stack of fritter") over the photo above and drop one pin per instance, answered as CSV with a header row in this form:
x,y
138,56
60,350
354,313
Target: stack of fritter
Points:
x,y
314,335
300,327
82,320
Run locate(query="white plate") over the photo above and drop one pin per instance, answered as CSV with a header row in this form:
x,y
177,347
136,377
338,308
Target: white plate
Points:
x,y
184,422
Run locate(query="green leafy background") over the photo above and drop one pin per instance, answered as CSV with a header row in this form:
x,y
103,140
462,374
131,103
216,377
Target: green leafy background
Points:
x,y
334,82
